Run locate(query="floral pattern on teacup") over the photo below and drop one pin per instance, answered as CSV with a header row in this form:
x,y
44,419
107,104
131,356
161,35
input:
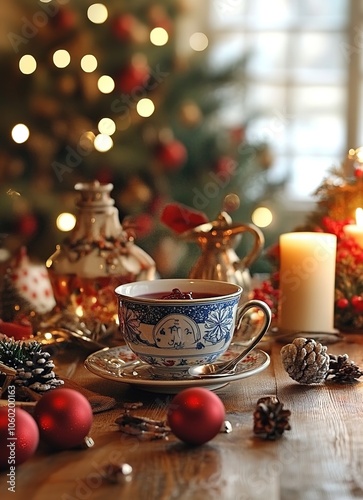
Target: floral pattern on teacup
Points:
x,y
218,326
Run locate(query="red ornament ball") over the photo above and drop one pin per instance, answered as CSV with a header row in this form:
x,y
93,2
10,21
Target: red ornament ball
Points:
x,y
64,417
123,26
196,415
172,155
134,78
19,436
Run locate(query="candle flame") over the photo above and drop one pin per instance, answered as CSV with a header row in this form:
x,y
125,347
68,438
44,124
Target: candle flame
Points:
x,y
359,217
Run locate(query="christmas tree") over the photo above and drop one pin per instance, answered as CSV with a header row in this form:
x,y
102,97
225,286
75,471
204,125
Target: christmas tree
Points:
x,y
106,95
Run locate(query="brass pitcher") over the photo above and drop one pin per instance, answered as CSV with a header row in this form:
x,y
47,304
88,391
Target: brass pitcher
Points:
x,y
219,260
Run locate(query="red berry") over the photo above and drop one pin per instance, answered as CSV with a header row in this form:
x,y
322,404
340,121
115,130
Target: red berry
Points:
x,y
357,302
342,303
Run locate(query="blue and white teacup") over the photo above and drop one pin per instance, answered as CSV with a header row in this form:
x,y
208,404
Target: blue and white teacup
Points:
x,y
168,330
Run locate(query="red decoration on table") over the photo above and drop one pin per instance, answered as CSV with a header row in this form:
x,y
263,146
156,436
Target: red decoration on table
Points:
x,y
18,330
196,415
19,437
64,417
180,218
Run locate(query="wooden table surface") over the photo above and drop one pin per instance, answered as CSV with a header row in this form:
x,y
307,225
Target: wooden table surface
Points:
x,y
320,458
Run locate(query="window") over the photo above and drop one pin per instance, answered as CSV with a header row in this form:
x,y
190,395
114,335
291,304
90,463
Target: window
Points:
x,y
301,82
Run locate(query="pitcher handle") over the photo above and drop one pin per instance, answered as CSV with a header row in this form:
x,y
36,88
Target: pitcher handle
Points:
x,y
258,243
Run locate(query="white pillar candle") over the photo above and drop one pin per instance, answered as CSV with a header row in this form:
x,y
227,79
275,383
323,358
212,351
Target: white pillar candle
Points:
x,y
307,282
355,231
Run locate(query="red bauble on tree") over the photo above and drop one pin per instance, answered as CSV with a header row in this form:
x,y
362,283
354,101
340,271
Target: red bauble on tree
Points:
x,y
65,19
134,77
172,155
64,417
226,166
19,436
196,415
123,26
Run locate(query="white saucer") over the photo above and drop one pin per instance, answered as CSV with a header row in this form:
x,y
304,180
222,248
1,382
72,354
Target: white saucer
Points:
x,y
120,364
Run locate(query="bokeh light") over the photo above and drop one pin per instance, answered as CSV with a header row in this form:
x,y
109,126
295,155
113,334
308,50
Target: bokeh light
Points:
x,y
105,84
20,133
198,41
262,217
107,126
89,63
103,143
145,107
27,64
65,221
61,58
97,13
159,36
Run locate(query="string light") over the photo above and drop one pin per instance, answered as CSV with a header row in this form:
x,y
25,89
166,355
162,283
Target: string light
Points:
x,y
262,217
159,36
89,63
198,41
61,58
145,107
65,221
20,133
27,64
103,143
107,126
105,84
97,13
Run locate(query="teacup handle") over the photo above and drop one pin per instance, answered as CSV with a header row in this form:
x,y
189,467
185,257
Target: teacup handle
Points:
x,y
241,311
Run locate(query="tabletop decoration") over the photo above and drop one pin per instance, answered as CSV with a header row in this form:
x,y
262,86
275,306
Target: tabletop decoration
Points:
x,y
339,200
64,417
343,370
142,427
196,415
26,293
20,329
34,368
305,360
307,278
308,362
217,240
98,255
20,432
270,420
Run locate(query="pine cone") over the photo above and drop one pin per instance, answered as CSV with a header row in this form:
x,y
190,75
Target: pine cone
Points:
x,y
34,368
343,370
37,373
270,420
306,360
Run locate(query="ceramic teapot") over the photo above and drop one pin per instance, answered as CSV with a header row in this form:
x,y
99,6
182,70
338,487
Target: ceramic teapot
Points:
x,y
97,256
219,260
